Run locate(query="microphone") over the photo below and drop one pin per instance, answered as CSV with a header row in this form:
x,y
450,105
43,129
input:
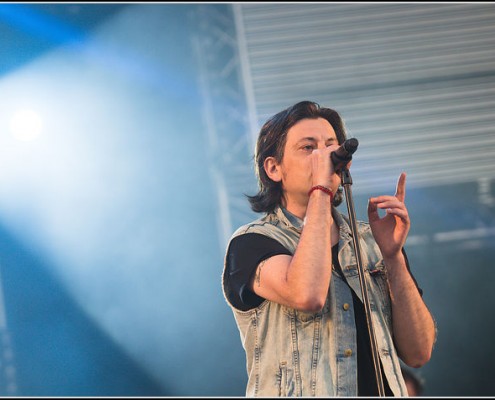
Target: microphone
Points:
x,y
343,154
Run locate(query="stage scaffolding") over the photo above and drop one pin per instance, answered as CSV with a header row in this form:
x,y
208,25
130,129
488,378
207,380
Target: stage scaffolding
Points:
x,y
228,112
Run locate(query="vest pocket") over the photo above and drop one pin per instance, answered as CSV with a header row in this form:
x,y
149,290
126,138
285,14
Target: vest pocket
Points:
x,y
285,381
379,278
380,282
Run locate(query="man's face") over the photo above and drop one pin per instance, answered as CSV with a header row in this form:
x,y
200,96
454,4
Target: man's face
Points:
x,y
296,167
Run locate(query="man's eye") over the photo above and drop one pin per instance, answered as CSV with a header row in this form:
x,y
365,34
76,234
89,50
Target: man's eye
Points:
x,y
308,147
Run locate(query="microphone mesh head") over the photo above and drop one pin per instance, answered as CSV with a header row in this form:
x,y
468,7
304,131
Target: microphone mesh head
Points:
x,y
350,145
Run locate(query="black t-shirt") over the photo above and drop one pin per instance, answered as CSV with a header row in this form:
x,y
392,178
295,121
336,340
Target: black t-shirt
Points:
x,y
244,255
367,385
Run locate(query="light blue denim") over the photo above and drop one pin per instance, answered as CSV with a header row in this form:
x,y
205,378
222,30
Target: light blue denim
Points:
x,y
295,353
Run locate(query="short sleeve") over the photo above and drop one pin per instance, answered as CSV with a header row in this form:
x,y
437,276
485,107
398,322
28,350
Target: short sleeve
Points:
x,y
244,254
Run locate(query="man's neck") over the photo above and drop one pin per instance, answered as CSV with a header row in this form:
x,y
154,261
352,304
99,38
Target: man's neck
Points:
x,y
296,209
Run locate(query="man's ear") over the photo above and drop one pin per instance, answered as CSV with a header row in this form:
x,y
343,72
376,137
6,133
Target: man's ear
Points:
x,y
272,169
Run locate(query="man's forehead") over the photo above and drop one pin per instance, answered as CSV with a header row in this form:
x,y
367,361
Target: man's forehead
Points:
x,y
318,129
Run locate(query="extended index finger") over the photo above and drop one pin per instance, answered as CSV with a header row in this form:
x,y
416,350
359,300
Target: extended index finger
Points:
x,y
400,192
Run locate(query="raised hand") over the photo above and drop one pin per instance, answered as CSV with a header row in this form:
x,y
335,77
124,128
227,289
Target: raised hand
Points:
x,y
390,231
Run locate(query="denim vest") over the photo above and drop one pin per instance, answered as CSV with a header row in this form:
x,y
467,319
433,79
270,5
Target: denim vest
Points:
x,y
297,353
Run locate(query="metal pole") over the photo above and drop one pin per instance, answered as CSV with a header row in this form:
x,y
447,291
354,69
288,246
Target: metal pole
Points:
x,y
347,182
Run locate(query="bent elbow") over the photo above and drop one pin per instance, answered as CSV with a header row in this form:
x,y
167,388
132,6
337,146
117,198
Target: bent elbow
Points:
x,y
419,359
313,307
311,304
423,359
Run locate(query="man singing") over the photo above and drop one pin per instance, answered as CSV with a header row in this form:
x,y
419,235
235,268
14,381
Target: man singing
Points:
x,y
291,276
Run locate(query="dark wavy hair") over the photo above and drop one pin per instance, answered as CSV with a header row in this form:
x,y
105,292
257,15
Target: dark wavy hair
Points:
x,y
271,143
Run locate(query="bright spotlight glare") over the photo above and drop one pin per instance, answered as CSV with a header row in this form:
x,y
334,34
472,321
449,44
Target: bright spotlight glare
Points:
x,y
26,125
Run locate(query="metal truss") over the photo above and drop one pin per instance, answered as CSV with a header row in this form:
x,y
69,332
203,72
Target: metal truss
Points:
x,y
227,118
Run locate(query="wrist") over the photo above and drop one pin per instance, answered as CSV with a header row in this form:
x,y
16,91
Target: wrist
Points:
x,y
394,259
323,189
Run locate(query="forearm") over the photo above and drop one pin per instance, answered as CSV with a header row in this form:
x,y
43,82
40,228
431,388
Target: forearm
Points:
x,y
413,325
309,273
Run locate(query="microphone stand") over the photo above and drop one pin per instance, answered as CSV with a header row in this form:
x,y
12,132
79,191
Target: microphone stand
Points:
x,y
347,182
